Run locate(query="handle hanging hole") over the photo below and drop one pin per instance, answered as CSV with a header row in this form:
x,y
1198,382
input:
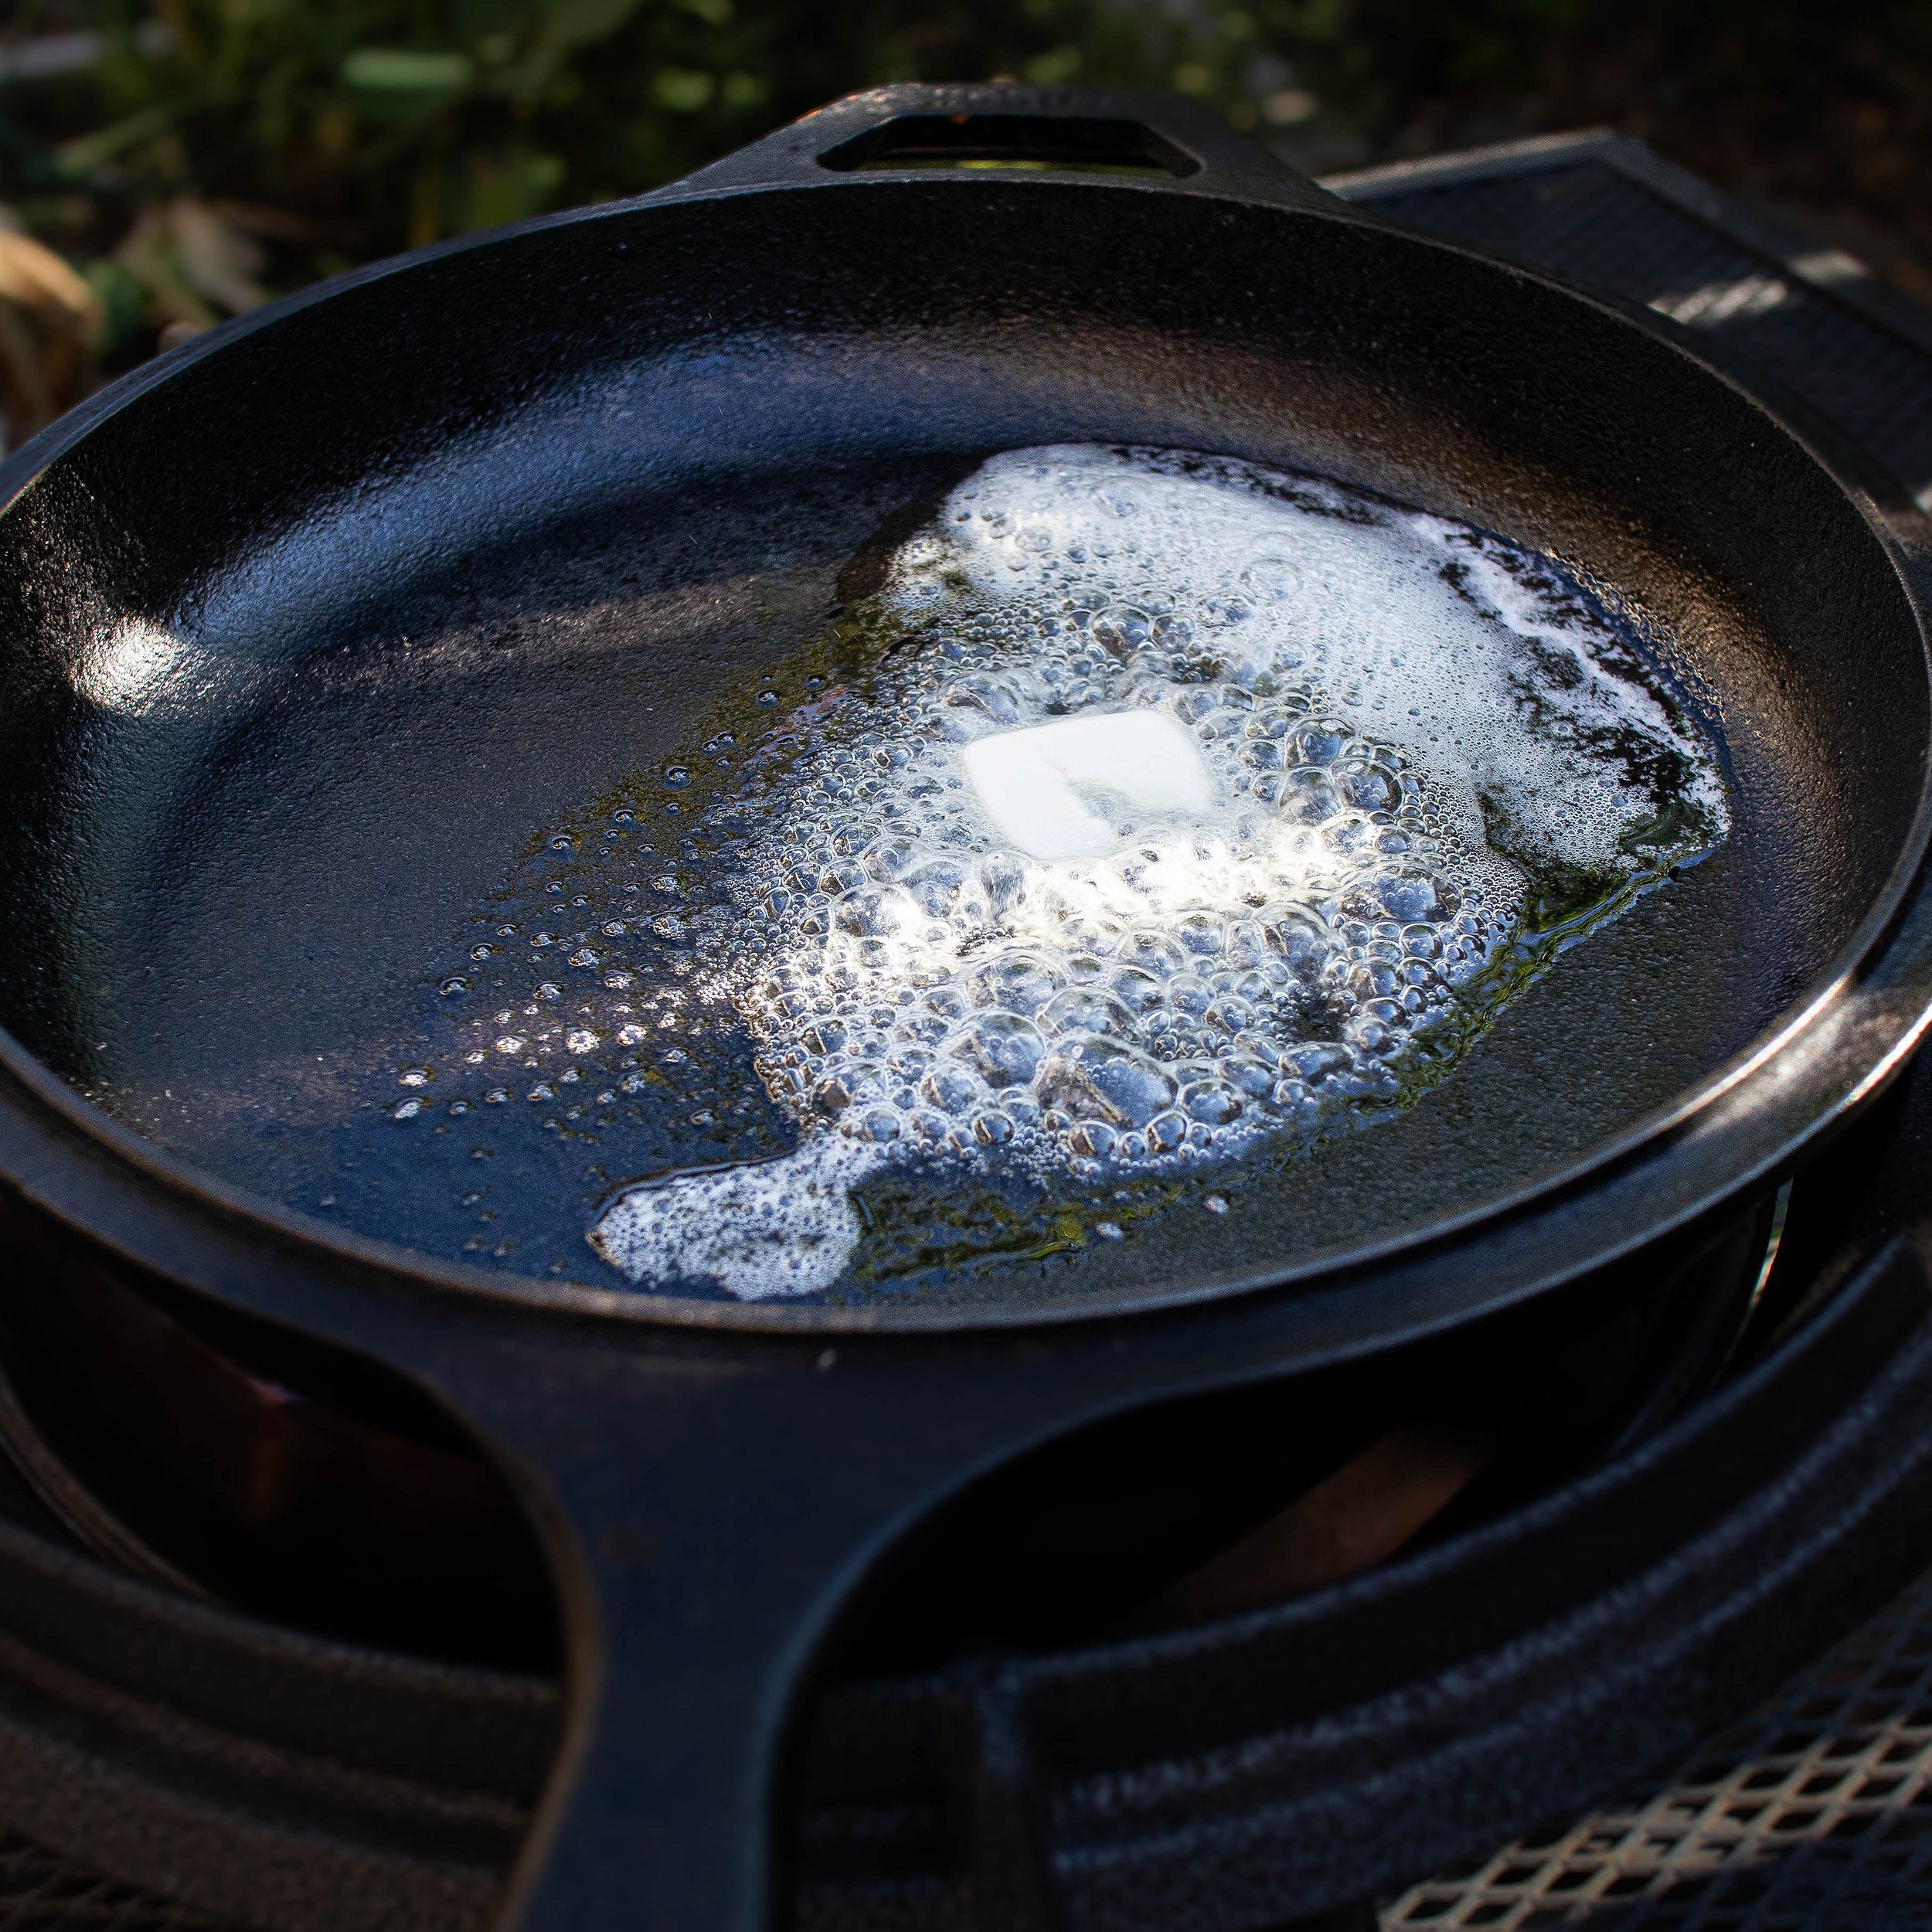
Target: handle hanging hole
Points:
x,y
1080,143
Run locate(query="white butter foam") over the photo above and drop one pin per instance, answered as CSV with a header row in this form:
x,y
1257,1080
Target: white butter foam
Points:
x,y
1190,798
774,1228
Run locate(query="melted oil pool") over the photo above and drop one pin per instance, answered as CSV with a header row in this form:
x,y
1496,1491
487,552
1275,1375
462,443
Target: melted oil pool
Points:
x,y
1160,812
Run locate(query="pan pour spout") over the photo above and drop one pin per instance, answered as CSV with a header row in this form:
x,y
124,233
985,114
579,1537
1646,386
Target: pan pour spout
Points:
x,y
1196,806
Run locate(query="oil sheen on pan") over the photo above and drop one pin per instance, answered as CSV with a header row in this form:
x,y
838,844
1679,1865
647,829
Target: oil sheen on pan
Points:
x,y
1160,816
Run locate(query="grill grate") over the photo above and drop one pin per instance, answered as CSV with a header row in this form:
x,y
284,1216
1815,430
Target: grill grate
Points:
x,y
40,1893
1605,212
1815,1815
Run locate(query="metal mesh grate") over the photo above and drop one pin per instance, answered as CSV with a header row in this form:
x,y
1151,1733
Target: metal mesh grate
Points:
x,y
1593,223
40,1893
1815,1815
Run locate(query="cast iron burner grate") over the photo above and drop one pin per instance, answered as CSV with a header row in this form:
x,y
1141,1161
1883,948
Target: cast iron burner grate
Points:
x,y
1815,1813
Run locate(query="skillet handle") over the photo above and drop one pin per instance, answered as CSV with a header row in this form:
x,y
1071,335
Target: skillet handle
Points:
x,y
1163,140
707,1503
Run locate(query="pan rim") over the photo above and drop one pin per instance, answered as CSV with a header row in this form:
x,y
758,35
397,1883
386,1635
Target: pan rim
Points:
x,y
201,1189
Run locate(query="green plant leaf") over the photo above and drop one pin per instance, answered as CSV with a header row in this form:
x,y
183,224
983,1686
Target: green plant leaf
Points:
x,y
684,91
575,23
87,152
407,70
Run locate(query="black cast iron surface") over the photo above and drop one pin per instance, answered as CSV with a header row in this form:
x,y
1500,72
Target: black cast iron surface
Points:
x,y
1787,594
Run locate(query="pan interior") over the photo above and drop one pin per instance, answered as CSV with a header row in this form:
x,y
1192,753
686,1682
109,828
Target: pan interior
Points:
x,y
290,697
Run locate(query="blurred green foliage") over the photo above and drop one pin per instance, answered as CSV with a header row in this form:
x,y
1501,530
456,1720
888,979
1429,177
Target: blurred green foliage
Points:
x,y
193,156
323,132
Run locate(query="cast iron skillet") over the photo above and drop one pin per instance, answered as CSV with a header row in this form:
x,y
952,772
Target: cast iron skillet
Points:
x,y
255,762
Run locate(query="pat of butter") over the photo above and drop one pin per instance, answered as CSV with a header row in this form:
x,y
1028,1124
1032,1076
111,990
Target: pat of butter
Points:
x,y
1039,787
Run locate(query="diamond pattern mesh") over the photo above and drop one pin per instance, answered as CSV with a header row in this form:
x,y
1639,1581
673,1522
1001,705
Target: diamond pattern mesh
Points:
x,y
1589,222
1815,1815
40,1893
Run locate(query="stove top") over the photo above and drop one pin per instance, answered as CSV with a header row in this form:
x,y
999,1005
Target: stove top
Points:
x,y
1816,1810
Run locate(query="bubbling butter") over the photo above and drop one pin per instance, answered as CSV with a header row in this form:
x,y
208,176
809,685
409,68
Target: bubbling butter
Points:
x,y
1190,803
